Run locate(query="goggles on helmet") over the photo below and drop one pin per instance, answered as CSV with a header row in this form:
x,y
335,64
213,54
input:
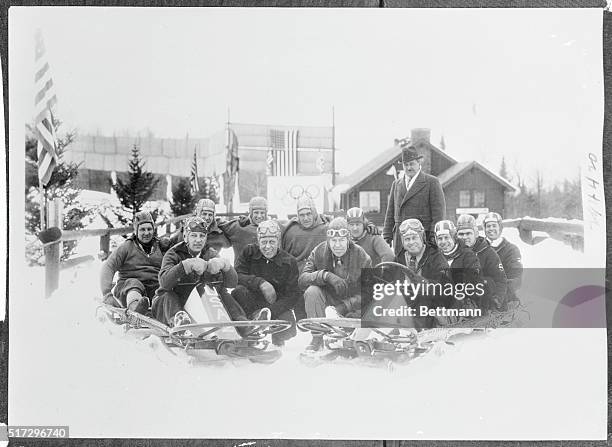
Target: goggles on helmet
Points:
x,y
196,224
408,227
342,232
269,228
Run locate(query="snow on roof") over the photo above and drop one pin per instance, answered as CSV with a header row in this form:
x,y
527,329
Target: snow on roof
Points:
x,y
452,173
381,161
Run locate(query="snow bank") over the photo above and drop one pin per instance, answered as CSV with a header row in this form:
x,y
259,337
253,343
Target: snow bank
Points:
x,y
67,369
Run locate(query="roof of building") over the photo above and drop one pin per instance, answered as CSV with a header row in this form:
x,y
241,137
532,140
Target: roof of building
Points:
x,y
379,162
455,171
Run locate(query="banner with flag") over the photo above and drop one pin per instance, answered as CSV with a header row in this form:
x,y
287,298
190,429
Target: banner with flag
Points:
x,y
44,102
283,159
230,177
193,182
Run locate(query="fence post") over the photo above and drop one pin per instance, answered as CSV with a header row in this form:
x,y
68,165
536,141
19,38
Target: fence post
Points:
x,y
104,246
52,252
525,235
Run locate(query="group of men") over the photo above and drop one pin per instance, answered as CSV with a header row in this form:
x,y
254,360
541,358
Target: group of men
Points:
x,y
312,265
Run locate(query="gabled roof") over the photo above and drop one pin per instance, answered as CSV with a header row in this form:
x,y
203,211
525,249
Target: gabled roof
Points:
x,y
381,161
455,171
372,167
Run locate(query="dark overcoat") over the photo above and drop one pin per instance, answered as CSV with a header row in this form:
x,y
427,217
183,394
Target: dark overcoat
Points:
x,y
425,201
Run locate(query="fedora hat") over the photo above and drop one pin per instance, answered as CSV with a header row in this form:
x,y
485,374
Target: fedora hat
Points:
x,y
410,153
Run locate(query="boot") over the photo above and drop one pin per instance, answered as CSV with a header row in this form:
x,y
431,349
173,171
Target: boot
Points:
x,y
141,306
316,344
331,312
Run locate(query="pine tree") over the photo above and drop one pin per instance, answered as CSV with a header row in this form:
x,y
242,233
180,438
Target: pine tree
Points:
x,y
182,199
139,186
61,185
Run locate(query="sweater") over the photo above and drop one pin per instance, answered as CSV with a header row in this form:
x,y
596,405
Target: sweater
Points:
x,y
131,261
299,241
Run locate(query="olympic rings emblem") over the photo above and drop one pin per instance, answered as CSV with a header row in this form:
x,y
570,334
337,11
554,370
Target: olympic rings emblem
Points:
x,y
298,191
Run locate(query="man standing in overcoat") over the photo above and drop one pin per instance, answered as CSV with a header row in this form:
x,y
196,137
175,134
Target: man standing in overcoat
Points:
x,y
415,195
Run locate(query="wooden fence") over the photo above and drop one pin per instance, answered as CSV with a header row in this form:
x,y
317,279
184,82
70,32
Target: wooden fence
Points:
x,y
571,233
53,249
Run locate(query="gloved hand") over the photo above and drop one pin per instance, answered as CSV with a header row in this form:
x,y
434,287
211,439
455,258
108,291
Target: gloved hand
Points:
x,y
243,220
226,265
164,243
338,284
372,229
194,265
496,303
215,265
268,291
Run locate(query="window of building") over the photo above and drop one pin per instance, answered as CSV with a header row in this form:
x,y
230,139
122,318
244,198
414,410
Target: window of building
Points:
x,y
479,199
464,199
369,201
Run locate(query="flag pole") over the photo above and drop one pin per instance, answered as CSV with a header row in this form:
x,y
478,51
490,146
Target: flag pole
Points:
x,y
333,146
229,167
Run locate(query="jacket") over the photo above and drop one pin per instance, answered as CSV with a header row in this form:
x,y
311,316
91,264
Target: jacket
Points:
x,y
464,267
322,259
433,268
425,201
492,269
510,257
239,236
172,275
376,248
131,261
281,271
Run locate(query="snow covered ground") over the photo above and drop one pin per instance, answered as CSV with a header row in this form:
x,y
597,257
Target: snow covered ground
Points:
x,y
67,369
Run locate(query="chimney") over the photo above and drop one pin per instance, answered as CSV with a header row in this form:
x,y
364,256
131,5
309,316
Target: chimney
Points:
x,y
420,134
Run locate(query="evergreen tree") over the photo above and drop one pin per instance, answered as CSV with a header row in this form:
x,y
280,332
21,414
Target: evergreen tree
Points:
x,y
139,186
61,185
182,199
209,189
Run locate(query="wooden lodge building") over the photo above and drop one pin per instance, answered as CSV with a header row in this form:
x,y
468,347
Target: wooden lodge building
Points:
x,y
469,187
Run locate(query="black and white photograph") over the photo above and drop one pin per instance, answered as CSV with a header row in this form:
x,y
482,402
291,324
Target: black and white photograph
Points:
x,y
299,223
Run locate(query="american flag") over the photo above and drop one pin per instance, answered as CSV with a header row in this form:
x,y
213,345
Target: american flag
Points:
x,y
283,159
195,185
43,122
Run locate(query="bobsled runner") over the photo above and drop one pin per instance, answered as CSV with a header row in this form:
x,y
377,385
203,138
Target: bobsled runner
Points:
x,y
211,336
345,338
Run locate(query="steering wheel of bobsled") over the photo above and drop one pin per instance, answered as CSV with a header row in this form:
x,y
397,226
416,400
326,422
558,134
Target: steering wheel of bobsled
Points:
x,y
394,267
207,331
